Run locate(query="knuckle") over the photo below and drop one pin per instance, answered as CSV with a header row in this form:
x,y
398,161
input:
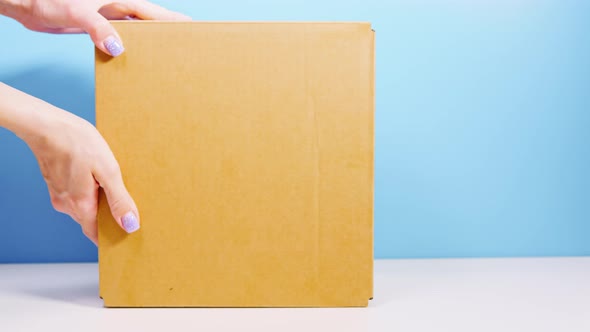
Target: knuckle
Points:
x,y
90,231
112,170
100,28
133,6
86,231
29,26
71,12
92,30
58,204
117,204
85,208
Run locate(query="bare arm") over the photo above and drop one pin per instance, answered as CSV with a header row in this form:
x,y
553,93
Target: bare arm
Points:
x,y
73,157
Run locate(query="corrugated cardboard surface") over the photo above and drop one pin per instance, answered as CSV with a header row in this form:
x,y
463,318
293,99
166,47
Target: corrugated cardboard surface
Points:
x,y
248,148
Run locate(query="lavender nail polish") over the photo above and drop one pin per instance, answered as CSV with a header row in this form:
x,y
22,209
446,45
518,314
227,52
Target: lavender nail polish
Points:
x,y
114,46
130,222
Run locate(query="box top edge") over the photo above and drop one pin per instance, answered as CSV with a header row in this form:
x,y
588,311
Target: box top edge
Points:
x,y
242,22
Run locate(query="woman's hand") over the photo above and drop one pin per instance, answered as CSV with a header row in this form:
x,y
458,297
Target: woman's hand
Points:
x,y
85,16
74,159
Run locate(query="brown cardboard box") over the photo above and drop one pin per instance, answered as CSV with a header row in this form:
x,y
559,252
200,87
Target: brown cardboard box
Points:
x,y
248,148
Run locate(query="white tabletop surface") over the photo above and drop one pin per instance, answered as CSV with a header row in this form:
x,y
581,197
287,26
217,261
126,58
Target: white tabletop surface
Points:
x,y
533,294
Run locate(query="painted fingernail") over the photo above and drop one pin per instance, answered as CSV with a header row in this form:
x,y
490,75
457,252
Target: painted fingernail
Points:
x,y
114,46
130,222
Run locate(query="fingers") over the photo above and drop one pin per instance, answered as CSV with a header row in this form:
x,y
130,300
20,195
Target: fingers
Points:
x,y
91,233
86,216
62,31
82,208
79,17
42,28
102,33
121,204
141,9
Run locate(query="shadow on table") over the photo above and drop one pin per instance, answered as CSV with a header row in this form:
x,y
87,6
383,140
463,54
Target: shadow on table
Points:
x,y
87,295
81,294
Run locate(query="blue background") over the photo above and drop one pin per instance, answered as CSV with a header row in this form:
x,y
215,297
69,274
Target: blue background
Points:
x,y
482,125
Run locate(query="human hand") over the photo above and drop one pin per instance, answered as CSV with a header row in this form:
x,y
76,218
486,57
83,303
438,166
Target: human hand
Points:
x,y
75,161
88,16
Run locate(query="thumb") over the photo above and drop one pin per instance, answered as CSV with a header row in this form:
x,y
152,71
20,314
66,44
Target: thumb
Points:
x,y
102,33
122,206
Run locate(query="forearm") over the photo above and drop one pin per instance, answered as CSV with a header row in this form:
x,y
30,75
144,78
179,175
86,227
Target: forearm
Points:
x,y
22,114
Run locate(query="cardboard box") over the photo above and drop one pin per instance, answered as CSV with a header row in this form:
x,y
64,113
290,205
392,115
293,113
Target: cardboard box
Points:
x,y
248,148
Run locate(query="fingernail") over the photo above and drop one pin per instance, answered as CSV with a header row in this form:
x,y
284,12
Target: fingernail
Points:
x,y
114,46
130,222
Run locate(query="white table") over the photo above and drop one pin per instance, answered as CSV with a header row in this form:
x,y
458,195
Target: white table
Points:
x,y
534,294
